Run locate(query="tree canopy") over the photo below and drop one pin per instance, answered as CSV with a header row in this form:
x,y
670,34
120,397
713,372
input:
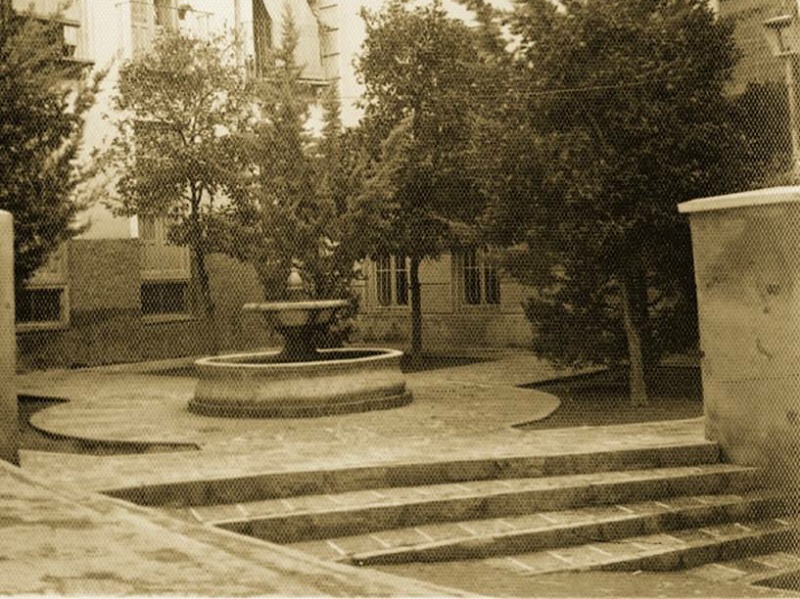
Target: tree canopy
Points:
x,y
42,102
180,105
228,159
279,218
421,71
614,112
291,208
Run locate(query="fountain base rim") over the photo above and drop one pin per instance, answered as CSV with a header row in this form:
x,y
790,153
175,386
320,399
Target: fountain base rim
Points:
x,y
255,410
272,359
256,386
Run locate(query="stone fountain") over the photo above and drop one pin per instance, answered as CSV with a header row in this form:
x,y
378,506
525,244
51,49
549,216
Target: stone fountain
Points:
x,y
299,380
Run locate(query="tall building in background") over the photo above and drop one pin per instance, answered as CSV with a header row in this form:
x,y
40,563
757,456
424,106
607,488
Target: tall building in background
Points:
x,y
119,292
756,65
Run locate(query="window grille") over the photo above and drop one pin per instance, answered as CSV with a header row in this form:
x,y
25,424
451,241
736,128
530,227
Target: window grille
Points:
x,y
401,281
39,306
391,275
164,298
480,280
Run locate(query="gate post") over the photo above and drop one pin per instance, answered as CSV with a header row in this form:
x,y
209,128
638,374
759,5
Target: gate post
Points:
x,y
747,267
9,424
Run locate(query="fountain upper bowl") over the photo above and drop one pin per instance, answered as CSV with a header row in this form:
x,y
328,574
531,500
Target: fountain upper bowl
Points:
x,y
292,314
293,305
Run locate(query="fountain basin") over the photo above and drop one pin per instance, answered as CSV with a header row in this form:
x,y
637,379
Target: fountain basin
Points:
x,y
260,385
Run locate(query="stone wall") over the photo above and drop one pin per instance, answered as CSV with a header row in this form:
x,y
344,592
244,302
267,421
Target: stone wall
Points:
x,y
747,265
234,284
9,424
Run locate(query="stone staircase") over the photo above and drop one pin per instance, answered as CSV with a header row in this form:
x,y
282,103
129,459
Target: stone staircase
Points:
x,y
641,509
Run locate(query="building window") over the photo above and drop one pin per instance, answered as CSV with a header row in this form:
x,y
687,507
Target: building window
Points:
x,y
392,280
43,303
41,308
268,16
164,298
151,230
480,280
159,260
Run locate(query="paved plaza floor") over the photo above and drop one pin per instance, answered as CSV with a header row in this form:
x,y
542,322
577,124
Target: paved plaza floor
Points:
x,y
62,525
457,413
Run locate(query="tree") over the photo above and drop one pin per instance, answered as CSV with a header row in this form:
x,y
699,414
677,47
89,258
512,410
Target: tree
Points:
x,y
42,102
616,113
282,217
278,220
340,164
181,106
292,210
764,113
421,72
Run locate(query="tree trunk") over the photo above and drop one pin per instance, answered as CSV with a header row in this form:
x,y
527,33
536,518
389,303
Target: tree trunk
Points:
x,y
416,310
200,276
203,284
640,311
638,387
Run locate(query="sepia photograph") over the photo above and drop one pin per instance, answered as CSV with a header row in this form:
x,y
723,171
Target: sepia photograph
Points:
x,y
400,298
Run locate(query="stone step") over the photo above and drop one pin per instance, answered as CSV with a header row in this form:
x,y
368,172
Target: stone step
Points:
x,y
687,548
788,580
274,485
754,569
335,515
544,530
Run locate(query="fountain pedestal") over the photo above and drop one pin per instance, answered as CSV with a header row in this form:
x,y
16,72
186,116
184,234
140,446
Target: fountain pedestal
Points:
x,y
298,323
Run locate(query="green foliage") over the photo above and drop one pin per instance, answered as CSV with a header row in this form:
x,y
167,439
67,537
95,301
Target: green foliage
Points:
x,y
289,211
229,161
42,102
181,105
615,113
422,74
340,167
293,208
764,115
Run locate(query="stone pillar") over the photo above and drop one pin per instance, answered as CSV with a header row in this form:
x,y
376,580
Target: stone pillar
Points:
x,y
9,425
747,267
